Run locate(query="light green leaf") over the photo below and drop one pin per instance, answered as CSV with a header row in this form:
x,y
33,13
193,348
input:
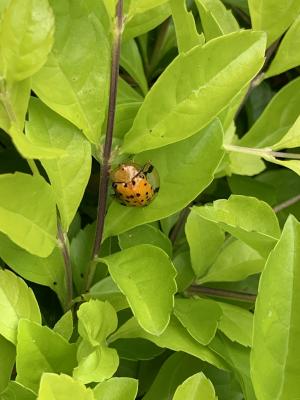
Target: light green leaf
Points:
x,y
186,31
216,20
145,234
26,38
74,81
205,239
181,181
273,16
294,165
125,114
106,289
234,262
3,5
17,301
16,391
287,56
96,362
144,15
191,91
277,118
27,212
131,61
137,349
126,93
291,139
47,271
175,337
63,387
244,164
8,357
116,389
69,174
196,387
136,271
277,322
236,323
199,316
64,326
39,350
258,227
185,275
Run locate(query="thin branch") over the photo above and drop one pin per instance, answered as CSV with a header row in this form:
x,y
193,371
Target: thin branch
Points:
x,y
179,224
287,203
262,152
104,174
67,264
223,293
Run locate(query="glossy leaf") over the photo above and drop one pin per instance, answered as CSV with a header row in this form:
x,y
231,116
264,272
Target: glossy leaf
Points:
x,y
16,391
64,326
116,389
63,387
47,271
145,234
286,56
199,317
276,321
216,20
27,212
26,37
39,350
69,174
258,227
273,16
74,81
106,289
181,182
97,362
179,111
186,31
277,118
234,262
175,337
136,271
8,357
196,387
17,301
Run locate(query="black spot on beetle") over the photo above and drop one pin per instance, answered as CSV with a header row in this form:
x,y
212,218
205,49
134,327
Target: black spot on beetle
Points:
x,y
156,190
138,195
147,193
125,184
133,182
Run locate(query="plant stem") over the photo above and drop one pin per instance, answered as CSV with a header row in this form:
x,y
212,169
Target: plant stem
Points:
x,y
179,224
104,173
287,203
227,294
263,152
67,262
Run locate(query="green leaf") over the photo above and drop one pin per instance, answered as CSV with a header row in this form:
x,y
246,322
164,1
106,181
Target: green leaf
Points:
x,y
97,362
63,387
234,262
291,139
27,212
186,31
273,16
106,289
8,357
64,326
244,164
69,174
136,349
185,275
126,93
258,227
74,81
175,337
136,271
277,322
236,323
131,61
27,29
196,387
277,118
181,182
286,57
145,234
17,301
205,239
199,316
16,391
143,16
116,389
216,20
173,111
39,350
47,271
294,165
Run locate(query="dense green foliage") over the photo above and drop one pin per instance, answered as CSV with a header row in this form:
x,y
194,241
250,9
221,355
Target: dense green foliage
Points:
x,y
197,295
